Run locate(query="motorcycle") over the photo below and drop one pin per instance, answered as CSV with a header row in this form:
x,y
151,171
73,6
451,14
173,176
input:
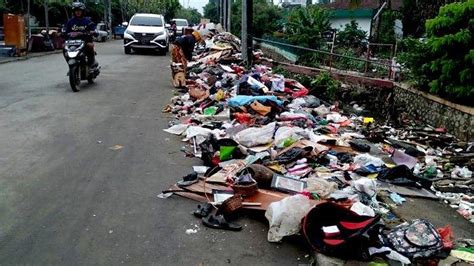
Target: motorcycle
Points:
x,y
79,69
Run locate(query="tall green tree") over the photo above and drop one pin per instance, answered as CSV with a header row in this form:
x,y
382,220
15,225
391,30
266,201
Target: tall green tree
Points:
x,y
266,18
451,41
191,14
211,12
415,14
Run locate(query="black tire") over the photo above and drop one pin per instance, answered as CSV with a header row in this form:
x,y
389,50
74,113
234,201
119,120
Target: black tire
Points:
x,y
162,52
74,78
90,80
104,39
127,50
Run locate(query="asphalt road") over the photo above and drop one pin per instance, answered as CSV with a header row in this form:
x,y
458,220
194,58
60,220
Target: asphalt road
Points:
x,y
67,198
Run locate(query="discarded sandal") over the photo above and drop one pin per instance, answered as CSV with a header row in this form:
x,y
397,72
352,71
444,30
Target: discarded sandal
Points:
x,y
203,210
188,180
219,222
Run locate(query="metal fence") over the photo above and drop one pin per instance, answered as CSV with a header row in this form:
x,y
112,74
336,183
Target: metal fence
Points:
x,y
366,64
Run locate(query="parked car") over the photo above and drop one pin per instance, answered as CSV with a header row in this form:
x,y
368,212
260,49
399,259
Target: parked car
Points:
x,y
181,24
146,31
102,33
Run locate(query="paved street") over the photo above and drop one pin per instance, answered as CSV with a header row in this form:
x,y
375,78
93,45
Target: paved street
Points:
x,y
66,198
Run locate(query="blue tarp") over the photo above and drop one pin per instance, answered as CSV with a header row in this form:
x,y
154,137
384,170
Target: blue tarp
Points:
x,y
241,100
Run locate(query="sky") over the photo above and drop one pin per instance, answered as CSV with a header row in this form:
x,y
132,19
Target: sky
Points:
x,y
198,4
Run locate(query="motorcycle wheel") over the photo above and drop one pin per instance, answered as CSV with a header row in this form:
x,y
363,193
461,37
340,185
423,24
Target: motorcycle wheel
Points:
x,y
74,79
90,80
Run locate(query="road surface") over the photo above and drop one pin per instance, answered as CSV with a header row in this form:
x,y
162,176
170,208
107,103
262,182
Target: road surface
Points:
x,y
67,198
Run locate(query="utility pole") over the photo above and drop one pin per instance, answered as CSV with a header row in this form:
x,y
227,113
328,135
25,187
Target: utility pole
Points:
x,y
108,16
247,42
29,20
229,15
46,16
224,12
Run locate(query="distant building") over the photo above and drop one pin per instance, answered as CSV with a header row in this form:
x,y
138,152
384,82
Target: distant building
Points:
x,y
291,3
363,13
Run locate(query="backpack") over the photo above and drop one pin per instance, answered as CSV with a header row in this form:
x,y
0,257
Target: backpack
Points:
x,y
415,239
355,232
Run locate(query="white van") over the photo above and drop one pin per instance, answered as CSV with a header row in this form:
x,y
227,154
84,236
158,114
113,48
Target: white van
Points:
x,y
146,31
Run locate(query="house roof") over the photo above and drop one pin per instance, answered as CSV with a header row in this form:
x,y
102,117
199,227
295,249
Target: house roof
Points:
x,y
363,4
353,13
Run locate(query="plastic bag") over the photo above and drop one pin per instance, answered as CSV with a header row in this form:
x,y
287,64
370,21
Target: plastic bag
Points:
x,y
285,216
366,159
320,186
241,100
255,136
283,133
447,236
278,83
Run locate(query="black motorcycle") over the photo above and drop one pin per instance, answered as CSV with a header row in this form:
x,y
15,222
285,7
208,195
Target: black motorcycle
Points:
x,y
79,67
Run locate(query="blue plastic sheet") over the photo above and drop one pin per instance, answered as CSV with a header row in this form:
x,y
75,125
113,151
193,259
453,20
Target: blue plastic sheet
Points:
x,y
241,100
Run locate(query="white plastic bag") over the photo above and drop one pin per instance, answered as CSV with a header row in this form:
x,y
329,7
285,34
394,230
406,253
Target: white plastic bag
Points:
x,y
366,185
177,129
285,216
284,133
255,136
366,159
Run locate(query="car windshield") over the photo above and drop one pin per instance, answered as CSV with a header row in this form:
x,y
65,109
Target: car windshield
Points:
x,y
181,23
147,21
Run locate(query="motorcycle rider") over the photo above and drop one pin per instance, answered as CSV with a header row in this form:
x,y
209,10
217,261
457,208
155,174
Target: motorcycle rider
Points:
x,y
80,25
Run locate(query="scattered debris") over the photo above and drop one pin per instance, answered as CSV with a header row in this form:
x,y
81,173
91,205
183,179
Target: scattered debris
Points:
x,y
269,143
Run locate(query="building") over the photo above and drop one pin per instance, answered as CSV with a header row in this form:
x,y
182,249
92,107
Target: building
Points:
x,y
363,13
291,3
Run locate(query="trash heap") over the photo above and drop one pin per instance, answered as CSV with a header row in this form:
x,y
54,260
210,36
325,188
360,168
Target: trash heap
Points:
x,y
270,144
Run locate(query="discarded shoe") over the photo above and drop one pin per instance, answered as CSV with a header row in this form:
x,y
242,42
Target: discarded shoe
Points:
x,y
219,222
359,146
188,180
203,210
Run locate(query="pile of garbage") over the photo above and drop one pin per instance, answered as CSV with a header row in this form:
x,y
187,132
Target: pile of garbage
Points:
x,y
269,143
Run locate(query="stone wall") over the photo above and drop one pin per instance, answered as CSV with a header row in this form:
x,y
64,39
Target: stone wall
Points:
x,y
437,112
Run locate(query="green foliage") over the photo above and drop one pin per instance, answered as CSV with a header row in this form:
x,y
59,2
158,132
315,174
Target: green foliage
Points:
x,y
191,14
324,79
415,13
305,25
444,63
266,18
386,32
451,41
345,63
351,35
414,54
211,12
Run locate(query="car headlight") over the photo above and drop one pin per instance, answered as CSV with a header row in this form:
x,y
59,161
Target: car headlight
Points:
x,y
160,33
129,32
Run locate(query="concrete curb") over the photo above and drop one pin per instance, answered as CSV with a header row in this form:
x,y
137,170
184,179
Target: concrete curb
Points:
x,y
32,55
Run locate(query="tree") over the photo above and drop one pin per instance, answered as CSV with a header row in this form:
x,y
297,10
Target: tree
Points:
x,y
266,18
211,12
451,41
351,35
305,25
415,14
191,14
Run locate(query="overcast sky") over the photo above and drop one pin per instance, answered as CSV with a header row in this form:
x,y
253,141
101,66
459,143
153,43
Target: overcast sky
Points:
x,y
198,4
